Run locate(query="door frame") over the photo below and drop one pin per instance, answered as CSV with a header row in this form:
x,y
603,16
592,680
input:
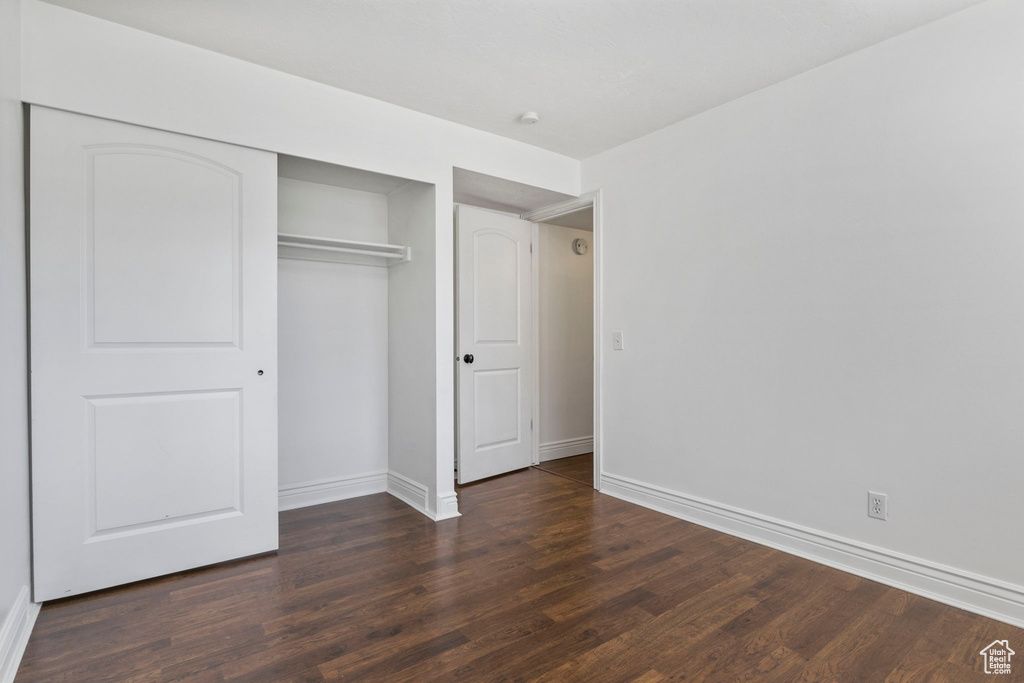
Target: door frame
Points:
x,y
540,216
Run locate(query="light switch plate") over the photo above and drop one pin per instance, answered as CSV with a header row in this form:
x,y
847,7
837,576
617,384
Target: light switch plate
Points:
x,y
617,340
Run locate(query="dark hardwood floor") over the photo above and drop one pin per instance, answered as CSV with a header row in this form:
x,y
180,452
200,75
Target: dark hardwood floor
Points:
x,y
541,579
578,468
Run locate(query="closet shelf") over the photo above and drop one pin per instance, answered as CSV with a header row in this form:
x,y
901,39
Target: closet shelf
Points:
x,y
308,248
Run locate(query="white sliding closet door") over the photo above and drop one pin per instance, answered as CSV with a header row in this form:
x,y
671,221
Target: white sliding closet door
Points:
x,y
154,352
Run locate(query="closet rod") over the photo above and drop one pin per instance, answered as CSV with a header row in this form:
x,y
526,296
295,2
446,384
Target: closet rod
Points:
x,y
396,252
347,250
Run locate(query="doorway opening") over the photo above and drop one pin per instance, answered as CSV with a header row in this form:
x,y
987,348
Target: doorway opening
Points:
x,y
526,319
563,263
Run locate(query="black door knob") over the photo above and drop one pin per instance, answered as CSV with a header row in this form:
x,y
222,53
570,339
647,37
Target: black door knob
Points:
x,y
468,358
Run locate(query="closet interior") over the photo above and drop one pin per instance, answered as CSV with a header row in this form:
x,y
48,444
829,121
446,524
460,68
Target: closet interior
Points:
x,y
355,272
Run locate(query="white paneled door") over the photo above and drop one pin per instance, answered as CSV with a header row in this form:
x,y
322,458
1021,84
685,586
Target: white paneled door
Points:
x,y
154,352
495,343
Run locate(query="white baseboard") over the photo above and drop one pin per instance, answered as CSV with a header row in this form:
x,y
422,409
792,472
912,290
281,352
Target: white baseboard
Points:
x,y
412,493
447,506
972,592
292,496
415,495
566,448
14,633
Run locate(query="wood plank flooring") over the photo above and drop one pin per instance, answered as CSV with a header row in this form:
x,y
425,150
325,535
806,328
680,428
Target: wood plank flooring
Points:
x,y
541,579
578,468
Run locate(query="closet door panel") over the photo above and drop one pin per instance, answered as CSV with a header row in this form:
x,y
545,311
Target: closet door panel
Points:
x,y
185,269
154,352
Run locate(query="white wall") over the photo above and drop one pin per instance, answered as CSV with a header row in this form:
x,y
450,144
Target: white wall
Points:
x,y
566,334
821,287
319,210
332,349
76,62
14,482
411,310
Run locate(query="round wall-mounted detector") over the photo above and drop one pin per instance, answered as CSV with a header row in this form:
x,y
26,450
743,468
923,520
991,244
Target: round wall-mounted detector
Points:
x,y
529,117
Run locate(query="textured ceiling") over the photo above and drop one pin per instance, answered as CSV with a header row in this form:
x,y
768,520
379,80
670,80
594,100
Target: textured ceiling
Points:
x,y
599,72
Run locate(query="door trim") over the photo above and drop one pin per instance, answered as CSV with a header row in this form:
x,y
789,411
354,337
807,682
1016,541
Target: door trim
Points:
x,y
540,216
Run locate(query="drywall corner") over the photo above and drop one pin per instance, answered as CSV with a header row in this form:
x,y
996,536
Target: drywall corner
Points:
x,y
412,372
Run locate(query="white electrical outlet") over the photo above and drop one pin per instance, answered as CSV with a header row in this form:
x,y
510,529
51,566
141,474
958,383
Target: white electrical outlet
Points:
x,y
877,506
617,341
